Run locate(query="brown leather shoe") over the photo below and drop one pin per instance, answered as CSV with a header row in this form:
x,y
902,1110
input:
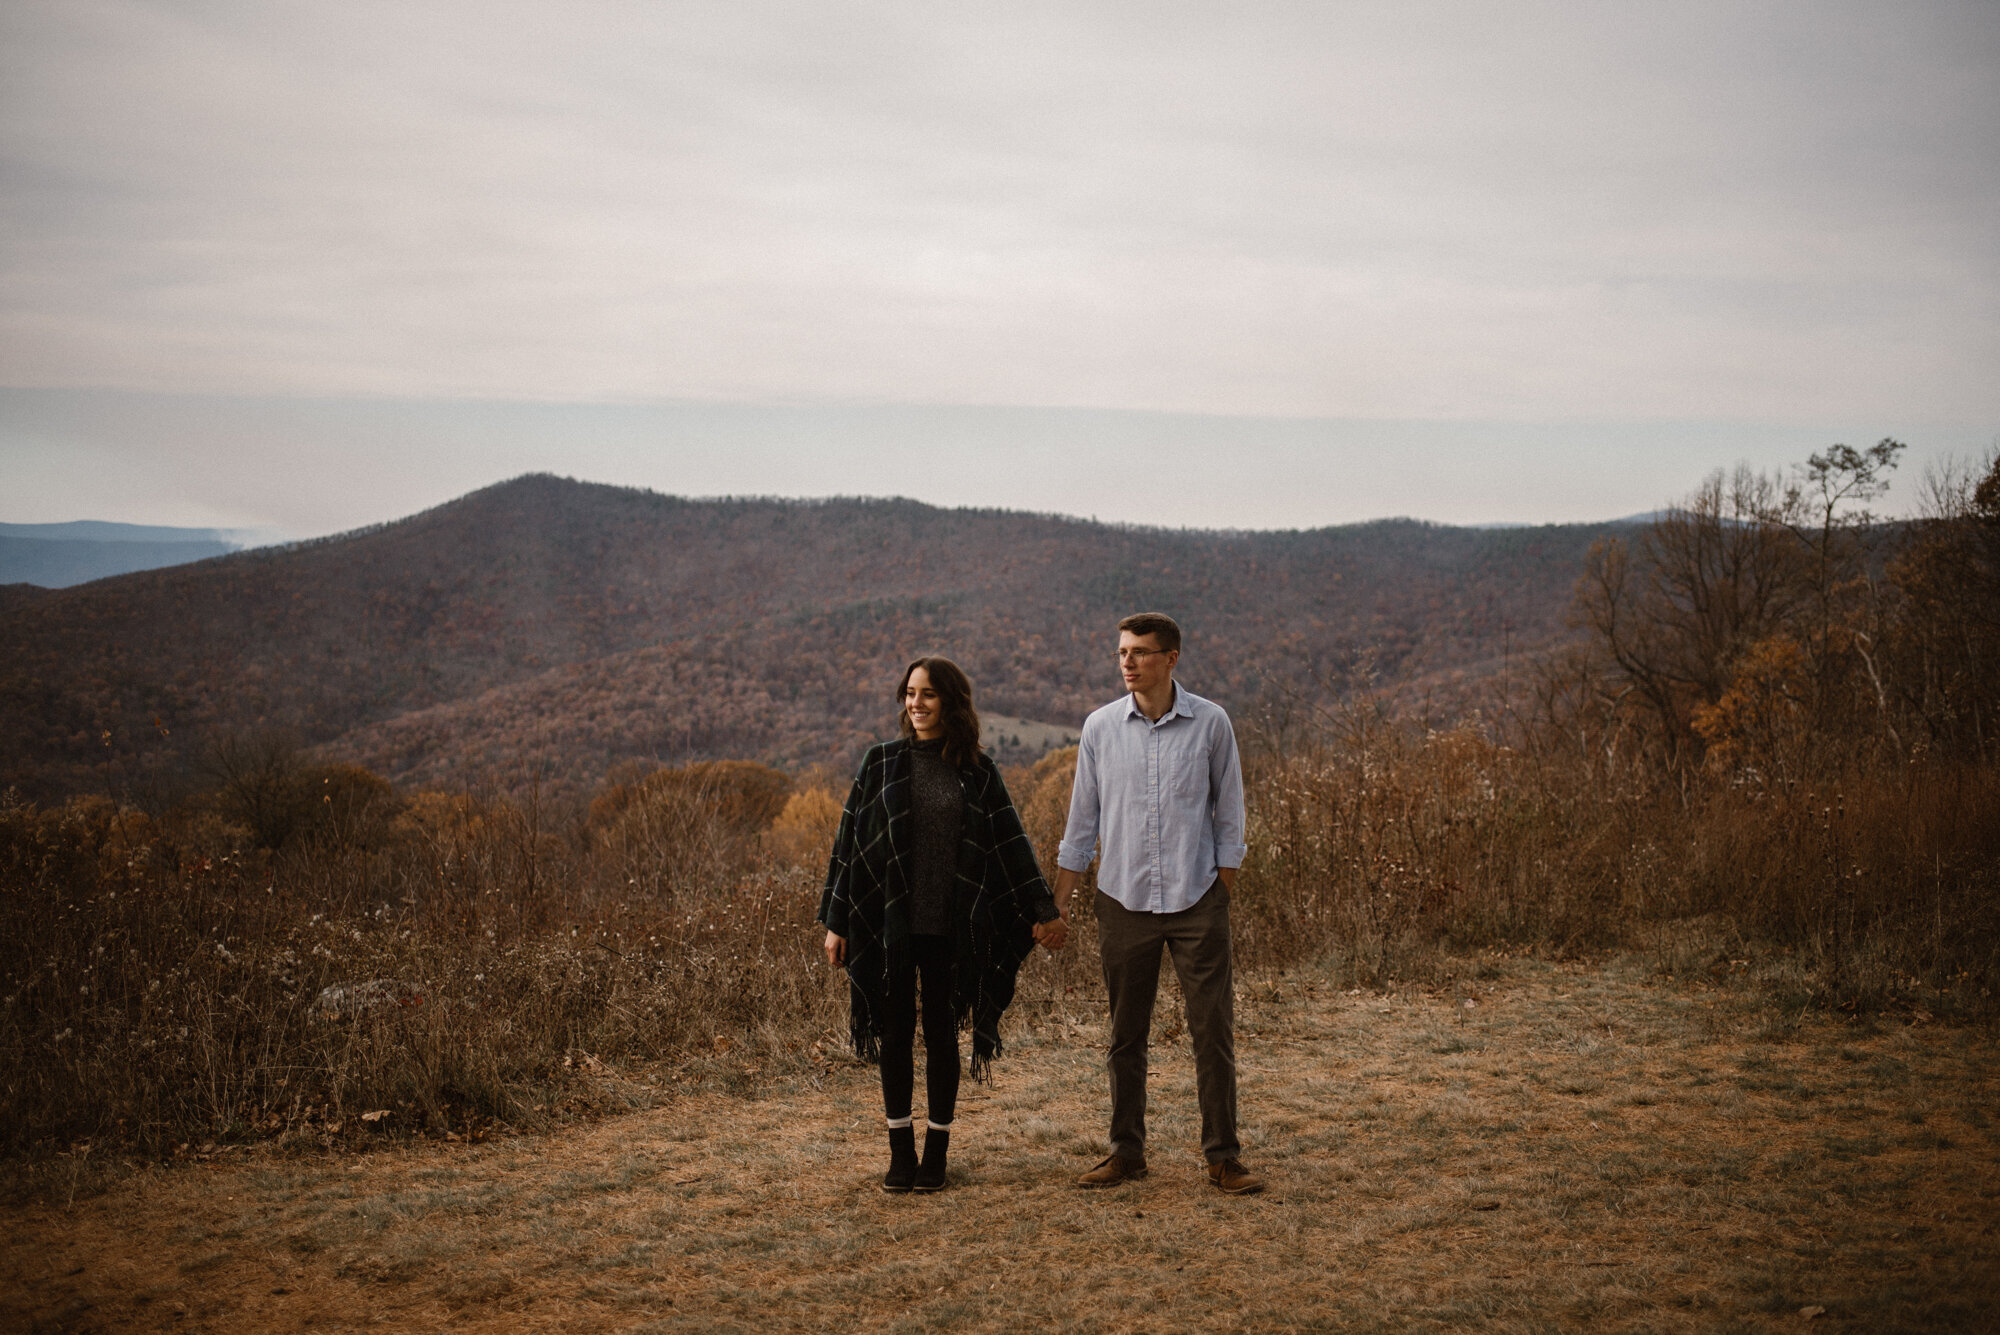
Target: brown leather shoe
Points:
x,y
1113,1171
1233,1178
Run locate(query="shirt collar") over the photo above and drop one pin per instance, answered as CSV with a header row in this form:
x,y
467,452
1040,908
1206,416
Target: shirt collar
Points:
x,y
1179,706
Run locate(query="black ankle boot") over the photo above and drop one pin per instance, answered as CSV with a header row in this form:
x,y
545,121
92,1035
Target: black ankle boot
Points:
x,y
930,1173
902,1174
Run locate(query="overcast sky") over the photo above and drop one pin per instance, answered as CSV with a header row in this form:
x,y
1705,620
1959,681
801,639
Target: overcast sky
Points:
x,y
319,264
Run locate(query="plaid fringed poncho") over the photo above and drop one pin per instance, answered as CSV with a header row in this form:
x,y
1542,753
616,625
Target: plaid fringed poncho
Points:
x,y
997,897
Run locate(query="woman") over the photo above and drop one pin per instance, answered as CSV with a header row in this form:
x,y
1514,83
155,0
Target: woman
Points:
x,y
932,890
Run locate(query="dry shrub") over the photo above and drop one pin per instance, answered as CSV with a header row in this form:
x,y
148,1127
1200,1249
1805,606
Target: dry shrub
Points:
x,y
685,831
1042,798
265,789
802,835
742,796
163,979
1881,886
1387,849
1383,847
163,975
1050,981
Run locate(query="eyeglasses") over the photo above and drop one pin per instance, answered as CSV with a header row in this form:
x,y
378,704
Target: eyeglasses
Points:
x,y
1138,655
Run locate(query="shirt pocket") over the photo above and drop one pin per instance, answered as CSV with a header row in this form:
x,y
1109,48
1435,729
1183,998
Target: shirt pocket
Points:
x,y
1187,778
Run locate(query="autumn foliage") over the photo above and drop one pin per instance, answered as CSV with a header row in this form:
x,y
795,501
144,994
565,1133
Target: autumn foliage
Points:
x,y
539,633
1765,752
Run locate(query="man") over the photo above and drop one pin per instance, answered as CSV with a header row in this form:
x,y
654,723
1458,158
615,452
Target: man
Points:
x,y
1159,790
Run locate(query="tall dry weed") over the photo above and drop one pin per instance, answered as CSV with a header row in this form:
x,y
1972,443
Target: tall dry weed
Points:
x,y
168,982
166,979
1381,850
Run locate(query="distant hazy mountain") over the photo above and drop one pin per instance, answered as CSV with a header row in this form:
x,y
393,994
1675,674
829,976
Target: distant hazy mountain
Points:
x,y
56,556
551,628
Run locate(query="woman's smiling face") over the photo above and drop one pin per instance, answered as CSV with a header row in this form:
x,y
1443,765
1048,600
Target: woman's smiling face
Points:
x,y
921,704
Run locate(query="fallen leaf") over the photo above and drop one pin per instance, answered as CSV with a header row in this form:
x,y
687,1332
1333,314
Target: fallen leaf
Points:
x,y
373,1117
1810,1312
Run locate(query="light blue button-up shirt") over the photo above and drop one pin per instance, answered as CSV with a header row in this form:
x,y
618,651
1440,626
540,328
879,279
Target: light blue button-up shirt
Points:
x,y
1164,799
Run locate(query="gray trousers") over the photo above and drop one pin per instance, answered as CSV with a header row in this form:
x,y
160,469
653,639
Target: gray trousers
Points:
x,y
1197,939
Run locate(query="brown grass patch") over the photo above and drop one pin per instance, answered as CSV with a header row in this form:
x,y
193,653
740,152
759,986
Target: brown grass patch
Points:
x,y
1578,1148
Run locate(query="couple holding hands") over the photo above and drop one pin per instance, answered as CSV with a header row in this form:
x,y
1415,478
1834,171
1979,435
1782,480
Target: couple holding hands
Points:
x,y
933,898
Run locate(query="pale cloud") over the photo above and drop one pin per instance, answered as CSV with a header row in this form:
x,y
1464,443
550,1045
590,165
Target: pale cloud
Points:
x,y
1780,213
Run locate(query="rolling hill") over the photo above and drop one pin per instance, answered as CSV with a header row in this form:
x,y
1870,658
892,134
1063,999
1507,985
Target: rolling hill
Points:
x,y
552,628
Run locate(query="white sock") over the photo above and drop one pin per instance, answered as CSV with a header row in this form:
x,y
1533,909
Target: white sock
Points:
x,y
898,1123
936,1126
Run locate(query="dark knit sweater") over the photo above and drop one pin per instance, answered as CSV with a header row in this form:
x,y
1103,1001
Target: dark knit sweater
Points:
x,y
936,804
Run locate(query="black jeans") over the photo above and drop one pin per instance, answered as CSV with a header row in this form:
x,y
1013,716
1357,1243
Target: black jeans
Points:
x,y
928,962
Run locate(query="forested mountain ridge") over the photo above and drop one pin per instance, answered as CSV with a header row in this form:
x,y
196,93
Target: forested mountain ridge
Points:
x,y
555,626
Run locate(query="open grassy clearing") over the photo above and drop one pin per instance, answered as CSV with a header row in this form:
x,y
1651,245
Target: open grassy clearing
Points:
x,y
1577,1148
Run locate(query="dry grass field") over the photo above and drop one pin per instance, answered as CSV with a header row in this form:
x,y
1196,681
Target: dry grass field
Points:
x,y
1543,1147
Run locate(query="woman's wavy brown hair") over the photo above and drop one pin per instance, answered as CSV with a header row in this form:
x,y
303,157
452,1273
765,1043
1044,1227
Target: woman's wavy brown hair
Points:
x,y
961,720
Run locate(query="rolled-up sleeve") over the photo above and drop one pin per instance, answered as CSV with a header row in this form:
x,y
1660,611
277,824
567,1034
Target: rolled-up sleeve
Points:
x,y
1225,774
1079,841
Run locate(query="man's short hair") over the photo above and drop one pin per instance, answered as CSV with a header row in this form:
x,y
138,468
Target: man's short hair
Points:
x,y
1157,624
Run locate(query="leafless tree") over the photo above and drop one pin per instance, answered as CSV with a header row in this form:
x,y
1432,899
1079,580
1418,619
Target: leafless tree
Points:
x,y
1674,610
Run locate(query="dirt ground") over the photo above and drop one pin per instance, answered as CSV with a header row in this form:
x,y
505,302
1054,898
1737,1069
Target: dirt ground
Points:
x,y
1549,1148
